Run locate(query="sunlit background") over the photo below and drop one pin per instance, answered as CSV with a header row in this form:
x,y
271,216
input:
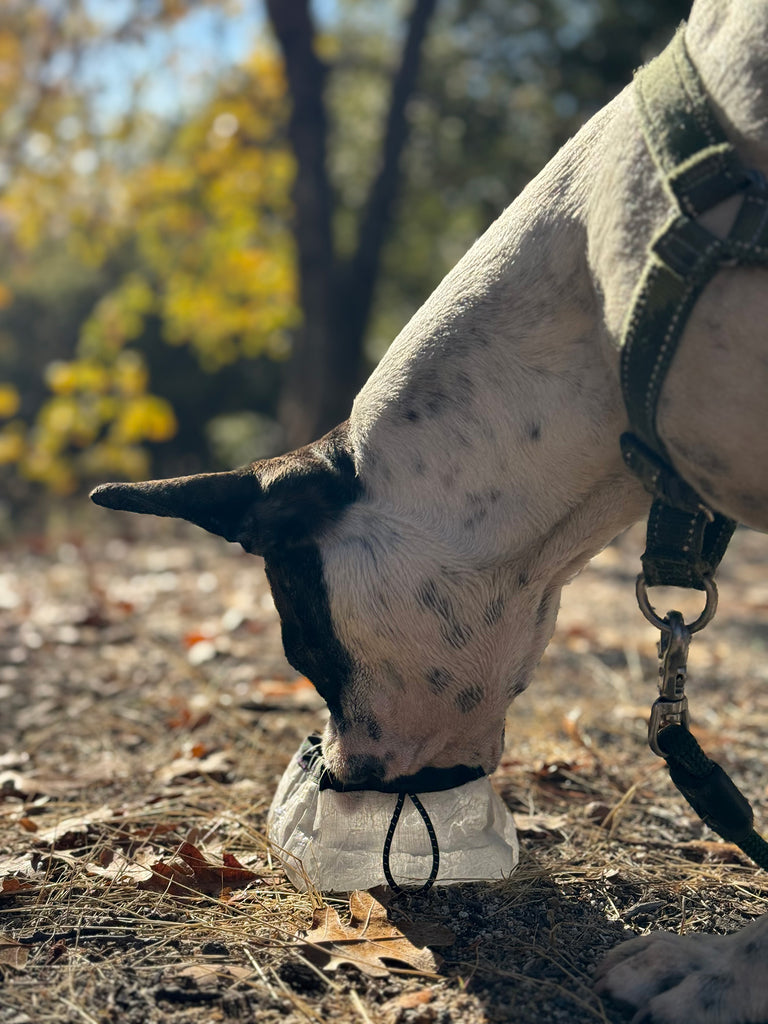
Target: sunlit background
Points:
x,y
215,216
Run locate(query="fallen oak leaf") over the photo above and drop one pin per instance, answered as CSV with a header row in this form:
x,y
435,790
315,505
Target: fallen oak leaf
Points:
x,y
197,875
12,953
213,974
369,942
10,886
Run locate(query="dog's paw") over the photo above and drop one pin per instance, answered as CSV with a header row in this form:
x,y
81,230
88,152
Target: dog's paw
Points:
x,y
674,979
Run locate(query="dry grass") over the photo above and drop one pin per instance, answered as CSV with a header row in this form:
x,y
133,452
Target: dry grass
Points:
x,y
123,738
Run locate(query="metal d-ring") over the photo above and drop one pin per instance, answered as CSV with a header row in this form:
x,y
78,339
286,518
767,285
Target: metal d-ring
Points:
x,y
641,589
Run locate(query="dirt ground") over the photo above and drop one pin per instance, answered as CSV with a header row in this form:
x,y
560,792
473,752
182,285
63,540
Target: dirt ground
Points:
x,y
147,713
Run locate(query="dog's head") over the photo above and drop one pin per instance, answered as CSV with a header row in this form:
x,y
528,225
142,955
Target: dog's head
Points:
x,y
416,651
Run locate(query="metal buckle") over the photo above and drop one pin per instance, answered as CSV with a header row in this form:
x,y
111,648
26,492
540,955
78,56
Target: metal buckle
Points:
x,y
671,706
641,589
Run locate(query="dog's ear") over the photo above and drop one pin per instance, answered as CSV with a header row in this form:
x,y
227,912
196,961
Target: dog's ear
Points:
x,y
264,506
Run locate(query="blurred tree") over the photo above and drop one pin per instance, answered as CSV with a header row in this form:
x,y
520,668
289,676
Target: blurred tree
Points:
x,y
304,207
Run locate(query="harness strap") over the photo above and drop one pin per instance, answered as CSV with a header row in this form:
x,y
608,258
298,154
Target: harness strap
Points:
x,y
699,168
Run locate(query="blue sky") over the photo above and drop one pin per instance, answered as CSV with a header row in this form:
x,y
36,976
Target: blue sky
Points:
x,y
178,62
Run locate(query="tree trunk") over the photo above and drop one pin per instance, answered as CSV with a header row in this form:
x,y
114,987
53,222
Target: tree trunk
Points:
x,y
326,365
307,373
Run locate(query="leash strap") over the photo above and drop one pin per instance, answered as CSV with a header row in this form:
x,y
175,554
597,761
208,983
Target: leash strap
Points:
x,y
711,792
685,540
699,168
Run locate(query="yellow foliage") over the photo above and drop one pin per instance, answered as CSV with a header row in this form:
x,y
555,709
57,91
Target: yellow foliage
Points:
x,y
9,401
129,374
146,418
206,223
12,443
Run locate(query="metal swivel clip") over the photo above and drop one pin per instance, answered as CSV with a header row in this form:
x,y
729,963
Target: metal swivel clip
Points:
x,y
671,706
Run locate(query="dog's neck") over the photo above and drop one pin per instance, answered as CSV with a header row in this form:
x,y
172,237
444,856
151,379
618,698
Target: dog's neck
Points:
x,y
494,418
728,43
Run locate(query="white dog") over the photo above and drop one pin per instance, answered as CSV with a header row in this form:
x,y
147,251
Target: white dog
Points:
x,y
416,554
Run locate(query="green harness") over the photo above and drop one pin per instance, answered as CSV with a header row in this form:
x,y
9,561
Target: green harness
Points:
x,y
685,539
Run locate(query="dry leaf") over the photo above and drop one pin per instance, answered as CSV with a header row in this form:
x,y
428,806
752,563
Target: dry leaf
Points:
x,y
12,953
712,850
541,824
116,866
10,886
216,766
195,874
410,1000
369,942
212,974
71,833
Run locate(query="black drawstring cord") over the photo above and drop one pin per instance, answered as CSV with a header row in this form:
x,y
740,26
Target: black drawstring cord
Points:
x,y
432,838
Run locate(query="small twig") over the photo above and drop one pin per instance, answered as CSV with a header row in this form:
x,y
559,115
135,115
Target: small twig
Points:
x,y
357,1005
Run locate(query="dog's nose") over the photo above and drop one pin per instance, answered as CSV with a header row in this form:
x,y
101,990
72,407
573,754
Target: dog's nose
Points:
x,y
360,771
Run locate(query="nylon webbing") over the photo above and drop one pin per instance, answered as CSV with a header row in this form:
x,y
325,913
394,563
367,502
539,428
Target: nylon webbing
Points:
x,y
699,168
711,793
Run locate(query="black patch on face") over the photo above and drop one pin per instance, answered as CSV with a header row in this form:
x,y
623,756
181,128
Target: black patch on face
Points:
x,y
311,645
440,679
303,492
294,567
534,431
467,699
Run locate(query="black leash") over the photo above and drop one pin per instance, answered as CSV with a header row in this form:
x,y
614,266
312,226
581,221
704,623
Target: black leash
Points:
x,y
703,782
686,540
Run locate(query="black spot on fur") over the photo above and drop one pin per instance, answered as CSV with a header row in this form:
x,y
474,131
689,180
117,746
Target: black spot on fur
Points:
x,y
412,415
456,634
439,679
373,728
542,612
523,579
429,596
670,980
466,700
534,431
713,989
493,611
